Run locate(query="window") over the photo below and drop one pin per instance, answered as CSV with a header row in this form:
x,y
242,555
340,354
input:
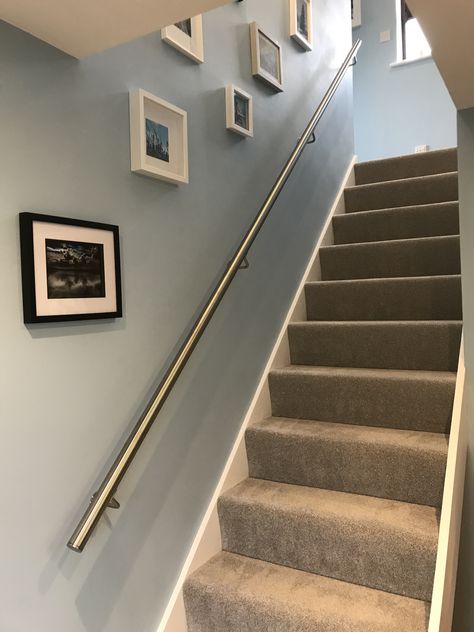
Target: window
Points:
x,y
413,41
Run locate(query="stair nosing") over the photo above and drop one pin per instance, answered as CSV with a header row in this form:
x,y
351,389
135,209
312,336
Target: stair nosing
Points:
x,y
391,209
405,240
320,508
386,279
337,427
399,180
301,369
367,323
421,156
199,580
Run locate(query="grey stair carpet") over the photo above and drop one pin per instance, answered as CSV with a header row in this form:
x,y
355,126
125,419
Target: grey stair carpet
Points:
x,y
413,191
410,166
411,400
382,462
427,220
423,298
415,345
426,256
264,520
233,593
337,528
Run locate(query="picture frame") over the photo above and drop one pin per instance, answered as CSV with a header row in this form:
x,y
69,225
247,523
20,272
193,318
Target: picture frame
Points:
x,y
356,12
267,62
239,111
301,23
70,269
187,37
158,138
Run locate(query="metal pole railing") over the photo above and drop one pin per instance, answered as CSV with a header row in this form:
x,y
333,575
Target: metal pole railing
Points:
x,y
104,497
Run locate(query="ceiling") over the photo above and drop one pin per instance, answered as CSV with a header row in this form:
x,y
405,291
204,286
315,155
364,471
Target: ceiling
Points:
x,y
449,28
83,27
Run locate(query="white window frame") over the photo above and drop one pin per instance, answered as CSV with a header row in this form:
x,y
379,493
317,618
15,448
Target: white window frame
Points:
x,y
400,61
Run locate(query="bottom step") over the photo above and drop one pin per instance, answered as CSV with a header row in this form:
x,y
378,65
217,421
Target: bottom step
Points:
x,y
237,594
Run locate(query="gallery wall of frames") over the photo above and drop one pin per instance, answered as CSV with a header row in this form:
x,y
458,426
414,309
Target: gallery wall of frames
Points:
x,y
71,268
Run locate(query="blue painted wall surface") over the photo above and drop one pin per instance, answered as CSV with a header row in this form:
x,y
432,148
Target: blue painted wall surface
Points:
x,y
71,392
396,109
464,605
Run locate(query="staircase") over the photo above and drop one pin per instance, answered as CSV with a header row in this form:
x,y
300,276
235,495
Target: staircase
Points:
x,y
336,529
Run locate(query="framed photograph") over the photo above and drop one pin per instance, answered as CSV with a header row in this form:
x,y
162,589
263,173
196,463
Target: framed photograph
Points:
x,y
70,269
301,22
187,37
158,138
239,111
356,13
266,58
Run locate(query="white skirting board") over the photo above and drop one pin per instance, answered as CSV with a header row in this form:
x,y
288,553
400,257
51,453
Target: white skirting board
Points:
x,y
442,603
207,542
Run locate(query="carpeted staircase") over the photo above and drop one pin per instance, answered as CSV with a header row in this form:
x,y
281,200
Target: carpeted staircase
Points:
x,y
337,528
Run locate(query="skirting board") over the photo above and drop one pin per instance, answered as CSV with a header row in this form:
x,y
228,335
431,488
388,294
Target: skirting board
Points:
x,y
207,542
444,587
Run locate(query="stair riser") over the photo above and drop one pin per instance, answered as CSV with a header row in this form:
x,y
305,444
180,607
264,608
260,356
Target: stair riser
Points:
x,y
362,553
392,472
379,346
402,223
425,164
429,190
371,401
430,257
400,299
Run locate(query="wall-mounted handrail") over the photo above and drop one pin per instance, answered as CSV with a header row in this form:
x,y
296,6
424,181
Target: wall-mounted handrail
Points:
x,y
104,497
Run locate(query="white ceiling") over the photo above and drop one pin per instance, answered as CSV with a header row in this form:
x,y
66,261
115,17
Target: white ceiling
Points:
x,y
83,27
449,27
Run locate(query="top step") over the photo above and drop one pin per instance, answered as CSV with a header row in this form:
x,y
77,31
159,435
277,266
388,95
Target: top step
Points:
x,y
410,166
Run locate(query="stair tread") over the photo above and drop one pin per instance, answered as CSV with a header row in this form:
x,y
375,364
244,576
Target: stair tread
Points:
x,y
425,189
389,183
394,209
422,156
407,166
420,256
391,243
405,222
380,280
375,323
232,591
414,522
415,440
354,372
367,460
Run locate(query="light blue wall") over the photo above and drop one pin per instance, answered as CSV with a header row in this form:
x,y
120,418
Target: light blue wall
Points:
x,y
396,109
71,392
464,606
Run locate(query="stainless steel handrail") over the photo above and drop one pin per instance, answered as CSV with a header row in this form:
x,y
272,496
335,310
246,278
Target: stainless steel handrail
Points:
x,y
104,497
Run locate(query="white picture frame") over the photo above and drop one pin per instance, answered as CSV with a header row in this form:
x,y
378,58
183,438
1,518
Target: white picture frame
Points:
x,y
301,23
267,63
239,122
356,13
187,37
158,138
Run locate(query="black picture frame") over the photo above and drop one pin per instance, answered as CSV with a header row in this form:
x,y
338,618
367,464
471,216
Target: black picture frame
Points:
x,y
30,290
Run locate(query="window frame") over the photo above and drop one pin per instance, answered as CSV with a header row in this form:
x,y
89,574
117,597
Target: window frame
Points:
x,y
405,16
401,9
